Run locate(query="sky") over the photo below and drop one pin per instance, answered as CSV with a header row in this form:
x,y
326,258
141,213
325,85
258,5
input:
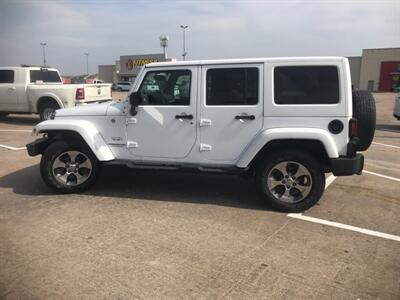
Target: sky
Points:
x,y
216,29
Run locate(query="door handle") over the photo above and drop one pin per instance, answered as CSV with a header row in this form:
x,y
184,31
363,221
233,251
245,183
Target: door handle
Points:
x,y
245,117
12,88
189,117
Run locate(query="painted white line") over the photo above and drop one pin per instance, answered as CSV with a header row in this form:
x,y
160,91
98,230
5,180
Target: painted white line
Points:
x,y
16,130
386,145
390,130
347,227
380,175
329,180
12,148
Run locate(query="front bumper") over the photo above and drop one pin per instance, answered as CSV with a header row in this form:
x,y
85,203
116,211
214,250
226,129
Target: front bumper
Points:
x,y
344,166
37,146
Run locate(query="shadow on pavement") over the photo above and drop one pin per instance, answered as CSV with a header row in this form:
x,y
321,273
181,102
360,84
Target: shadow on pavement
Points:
x,y
122,182
20,119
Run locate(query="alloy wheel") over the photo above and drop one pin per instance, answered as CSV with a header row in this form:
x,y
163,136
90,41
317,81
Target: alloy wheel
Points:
x,y
289,181
72,168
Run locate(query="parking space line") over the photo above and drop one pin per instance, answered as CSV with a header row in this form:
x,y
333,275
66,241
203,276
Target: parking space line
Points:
x,y
329,180
16,130
12,148
390,130
381,175
345,226
386,145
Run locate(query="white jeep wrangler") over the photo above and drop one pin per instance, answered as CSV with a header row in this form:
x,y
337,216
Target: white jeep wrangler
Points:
x,y
284,121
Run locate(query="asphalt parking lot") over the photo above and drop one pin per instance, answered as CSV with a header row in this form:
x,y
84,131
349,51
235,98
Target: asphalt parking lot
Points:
x,y
144,235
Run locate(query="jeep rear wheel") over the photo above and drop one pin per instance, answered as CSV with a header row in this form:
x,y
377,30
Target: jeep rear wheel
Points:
x,y
291,181
69,168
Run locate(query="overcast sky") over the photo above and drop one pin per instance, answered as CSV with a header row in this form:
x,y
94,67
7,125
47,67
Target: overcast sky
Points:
x,y
217,29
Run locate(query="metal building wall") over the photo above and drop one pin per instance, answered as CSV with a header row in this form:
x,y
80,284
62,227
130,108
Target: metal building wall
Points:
x,y
371,65
106,73
355,70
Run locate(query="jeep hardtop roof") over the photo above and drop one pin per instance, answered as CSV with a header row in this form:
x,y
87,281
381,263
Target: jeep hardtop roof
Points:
x,y
247,61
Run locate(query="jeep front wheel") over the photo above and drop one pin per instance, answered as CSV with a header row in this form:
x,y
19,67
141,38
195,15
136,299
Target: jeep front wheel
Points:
x,y
291,181
69,168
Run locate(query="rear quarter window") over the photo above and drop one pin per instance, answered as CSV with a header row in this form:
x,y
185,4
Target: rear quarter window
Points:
x,y
306,85
6,76
44,76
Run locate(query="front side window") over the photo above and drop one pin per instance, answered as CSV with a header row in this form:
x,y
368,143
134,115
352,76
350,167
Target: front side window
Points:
x,y
306,85
6,76
232,86
166,88
44,75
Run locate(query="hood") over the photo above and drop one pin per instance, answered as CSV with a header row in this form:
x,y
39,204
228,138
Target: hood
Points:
x,y
84,110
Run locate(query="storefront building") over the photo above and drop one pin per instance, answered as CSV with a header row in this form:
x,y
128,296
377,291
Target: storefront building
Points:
x,y
377,70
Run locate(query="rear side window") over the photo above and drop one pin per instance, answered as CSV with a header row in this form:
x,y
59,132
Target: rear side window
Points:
x,y
44,76
306,85
233,86
6,76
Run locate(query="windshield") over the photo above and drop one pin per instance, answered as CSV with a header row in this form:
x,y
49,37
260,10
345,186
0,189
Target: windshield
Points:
x,y
44,75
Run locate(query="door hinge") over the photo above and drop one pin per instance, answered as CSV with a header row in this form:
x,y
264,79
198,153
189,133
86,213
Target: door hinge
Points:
x,y
132,144
131,121
205,147
205,122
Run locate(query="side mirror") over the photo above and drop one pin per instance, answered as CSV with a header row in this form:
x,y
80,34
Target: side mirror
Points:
x,y
134,100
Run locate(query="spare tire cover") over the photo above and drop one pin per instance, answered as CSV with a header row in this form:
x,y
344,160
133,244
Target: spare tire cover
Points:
x,y
365,113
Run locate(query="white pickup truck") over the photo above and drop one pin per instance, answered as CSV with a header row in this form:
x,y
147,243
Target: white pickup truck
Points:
x,y
27,89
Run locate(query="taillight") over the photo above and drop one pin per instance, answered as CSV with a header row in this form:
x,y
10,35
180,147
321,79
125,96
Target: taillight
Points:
x,y
353,128
80,94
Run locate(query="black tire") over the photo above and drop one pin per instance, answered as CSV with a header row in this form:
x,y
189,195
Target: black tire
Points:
x,y
365,113
47,109
316,176
119,89
3,115
53,152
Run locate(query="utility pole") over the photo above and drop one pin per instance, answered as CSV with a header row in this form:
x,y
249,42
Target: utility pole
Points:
x,y
87,63
44,52
184,46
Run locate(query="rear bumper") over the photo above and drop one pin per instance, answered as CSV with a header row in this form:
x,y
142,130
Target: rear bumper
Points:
x,y
79,103
344,166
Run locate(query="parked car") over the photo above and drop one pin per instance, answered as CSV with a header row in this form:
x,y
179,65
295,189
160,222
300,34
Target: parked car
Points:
x,y
41,90
284,121
123,86
396,111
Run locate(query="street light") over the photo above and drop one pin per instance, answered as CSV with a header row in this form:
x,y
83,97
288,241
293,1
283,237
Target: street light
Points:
x,y
184,48
87,63
164,43
44,53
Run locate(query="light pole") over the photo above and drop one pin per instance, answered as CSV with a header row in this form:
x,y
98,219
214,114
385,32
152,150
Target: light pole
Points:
x,y
184,46
87,63
164,43
44,52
